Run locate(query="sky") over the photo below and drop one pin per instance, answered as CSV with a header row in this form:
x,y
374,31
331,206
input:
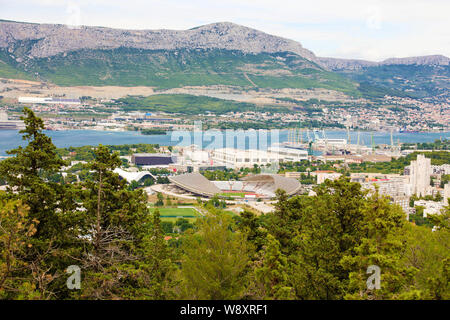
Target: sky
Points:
x,y
366,29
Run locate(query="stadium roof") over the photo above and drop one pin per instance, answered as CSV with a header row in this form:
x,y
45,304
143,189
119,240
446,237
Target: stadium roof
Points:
x,y
198,184
133,176
195,183
290,185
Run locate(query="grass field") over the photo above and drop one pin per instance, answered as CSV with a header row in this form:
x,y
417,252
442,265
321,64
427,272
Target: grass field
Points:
x,y
232,194
168,214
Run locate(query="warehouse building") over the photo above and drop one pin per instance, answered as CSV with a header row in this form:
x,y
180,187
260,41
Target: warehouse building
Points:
x,y
49,100
152,159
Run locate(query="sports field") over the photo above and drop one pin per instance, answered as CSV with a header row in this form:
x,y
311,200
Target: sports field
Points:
x,y
232,194
175,213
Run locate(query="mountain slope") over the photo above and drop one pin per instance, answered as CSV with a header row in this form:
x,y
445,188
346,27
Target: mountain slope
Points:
x,y
420,77
215,54
52,39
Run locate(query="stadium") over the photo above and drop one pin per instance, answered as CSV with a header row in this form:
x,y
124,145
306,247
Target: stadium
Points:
x,y
254,186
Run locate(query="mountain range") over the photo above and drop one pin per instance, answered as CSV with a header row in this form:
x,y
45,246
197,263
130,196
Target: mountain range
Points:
x,y
214,54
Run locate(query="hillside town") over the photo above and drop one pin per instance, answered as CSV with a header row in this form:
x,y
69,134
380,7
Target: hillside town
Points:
x,y
393,114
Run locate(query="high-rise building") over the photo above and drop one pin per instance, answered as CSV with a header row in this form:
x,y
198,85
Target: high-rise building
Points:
x,y
419,177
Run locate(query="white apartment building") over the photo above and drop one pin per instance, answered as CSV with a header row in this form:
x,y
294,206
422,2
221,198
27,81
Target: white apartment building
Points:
x,y
323,175
395,187
430,207
419,175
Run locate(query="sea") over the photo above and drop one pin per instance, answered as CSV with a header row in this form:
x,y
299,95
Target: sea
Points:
x,y
10,139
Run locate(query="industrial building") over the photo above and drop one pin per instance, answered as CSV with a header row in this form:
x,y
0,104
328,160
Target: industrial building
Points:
x,y
7,124
152,159
49,100
237,158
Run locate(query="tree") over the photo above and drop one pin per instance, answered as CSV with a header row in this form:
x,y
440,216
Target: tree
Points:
x,y
115,227
271,278
215,259
159,267
325,237
383,245
251,227
160,201
439,281
15,231
48,202
24,174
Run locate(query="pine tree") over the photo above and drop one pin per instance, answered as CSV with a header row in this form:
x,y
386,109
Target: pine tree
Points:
x,y
15,231
270,273
49,209
158,264
114,228
214,264
382,244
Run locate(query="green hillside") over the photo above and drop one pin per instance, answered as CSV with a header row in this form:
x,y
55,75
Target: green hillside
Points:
x,y
189,104
169,69
417,81
9,68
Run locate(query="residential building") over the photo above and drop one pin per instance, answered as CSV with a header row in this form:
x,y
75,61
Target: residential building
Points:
x,y
420,173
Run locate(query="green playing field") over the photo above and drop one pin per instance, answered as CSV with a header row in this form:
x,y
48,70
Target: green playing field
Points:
x,y
177,212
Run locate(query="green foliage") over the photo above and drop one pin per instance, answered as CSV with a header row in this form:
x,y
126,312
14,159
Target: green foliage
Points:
x,y
438,144
184,67
215,202
15,231
411,80
271,273
381,244
310,247
160,201
86,153
51,205
187,104
428,252
419,219
9,68
219,255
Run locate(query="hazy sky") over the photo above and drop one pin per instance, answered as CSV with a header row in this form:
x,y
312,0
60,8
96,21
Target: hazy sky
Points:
x,y
372,30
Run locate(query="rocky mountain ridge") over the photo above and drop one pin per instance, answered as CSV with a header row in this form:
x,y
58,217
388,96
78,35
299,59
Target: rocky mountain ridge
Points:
x,y
356,64
52,39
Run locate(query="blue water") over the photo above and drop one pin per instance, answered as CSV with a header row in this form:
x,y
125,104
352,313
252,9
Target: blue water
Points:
x,y
10,139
